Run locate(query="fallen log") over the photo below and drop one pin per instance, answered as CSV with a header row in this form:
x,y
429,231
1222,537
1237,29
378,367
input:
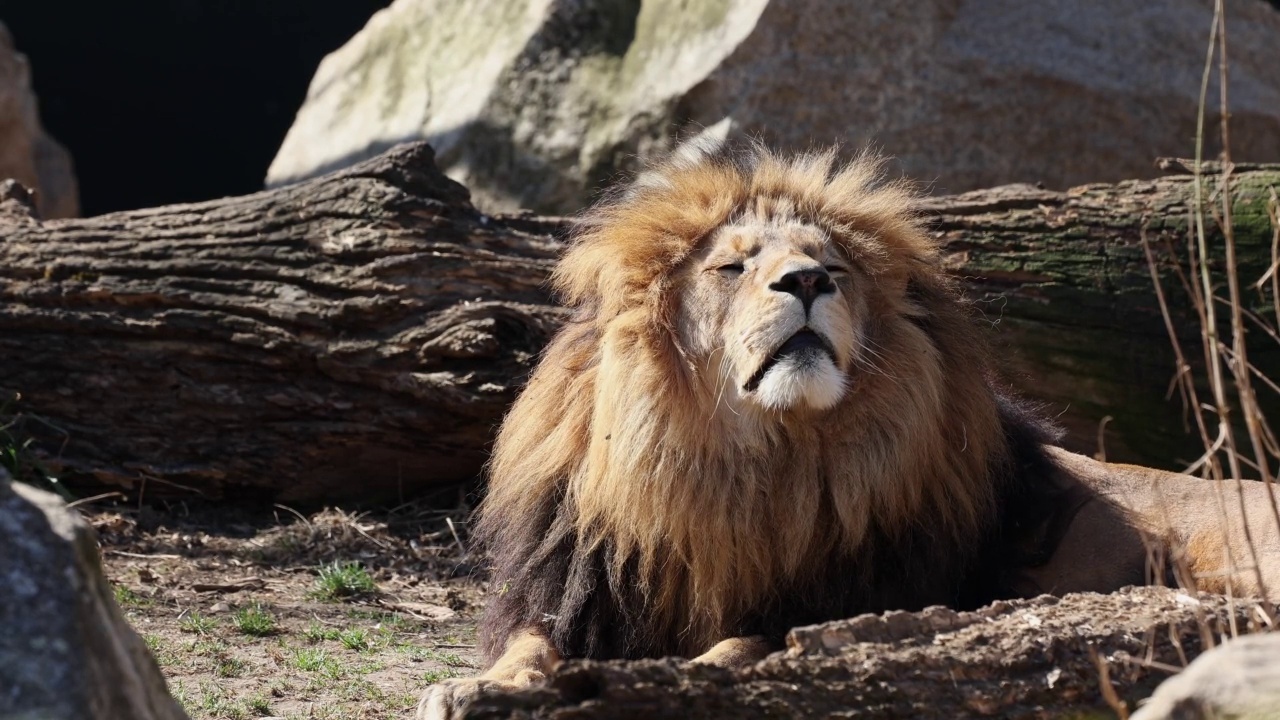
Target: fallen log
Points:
x,y
1021,659
359,336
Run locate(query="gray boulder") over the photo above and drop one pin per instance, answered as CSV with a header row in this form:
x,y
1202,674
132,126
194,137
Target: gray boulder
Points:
x,y
1238,680
27,153
66,652
536,103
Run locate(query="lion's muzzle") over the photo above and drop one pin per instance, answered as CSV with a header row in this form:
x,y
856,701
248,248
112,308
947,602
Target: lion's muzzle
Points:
x,y
804,348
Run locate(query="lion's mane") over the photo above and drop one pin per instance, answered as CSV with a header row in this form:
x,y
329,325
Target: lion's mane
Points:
x,y
626,520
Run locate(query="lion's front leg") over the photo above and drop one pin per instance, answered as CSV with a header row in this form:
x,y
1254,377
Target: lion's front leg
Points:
x,y
528,657
736,652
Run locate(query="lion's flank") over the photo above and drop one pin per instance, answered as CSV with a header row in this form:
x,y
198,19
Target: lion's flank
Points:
x,y
633,514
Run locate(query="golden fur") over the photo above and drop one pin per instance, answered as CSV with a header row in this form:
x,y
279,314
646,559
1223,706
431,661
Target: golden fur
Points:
x,y
658,461
1141,524
771,408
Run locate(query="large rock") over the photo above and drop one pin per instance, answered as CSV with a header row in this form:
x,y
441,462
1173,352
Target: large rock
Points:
x,y
66,652
27,153
1239,679
534,103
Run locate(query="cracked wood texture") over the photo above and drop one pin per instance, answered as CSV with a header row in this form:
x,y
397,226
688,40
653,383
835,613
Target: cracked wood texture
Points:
x,y
360,335
1019,660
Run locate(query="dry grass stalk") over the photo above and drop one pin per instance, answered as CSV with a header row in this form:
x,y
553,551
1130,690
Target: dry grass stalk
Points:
x,y
1226,374
1117,705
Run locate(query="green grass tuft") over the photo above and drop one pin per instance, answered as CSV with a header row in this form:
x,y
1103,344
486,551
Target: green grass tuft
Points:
x,y
194,622
255,621
355,639
16,455
229,667
316,660
435,676
258,704
316,633
127,598
342,580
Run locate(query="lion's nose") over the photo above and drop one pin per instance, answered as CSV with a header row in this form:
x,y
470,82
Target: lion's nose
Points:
x,y
804,284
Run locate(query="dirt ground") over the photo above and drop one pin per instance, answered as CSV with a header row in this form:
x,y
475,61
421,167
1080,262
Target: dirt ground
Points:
x,y
280,614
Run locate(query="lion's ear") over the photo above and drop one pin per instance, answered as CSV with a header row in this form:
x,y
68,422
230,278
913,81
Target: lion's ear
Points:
x,y
691,152
699,148
584,313
915,296
920,297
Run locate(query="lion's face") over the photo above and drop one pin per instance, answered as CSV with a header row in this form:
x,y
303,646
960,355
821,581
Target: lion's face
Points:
x,y
769,306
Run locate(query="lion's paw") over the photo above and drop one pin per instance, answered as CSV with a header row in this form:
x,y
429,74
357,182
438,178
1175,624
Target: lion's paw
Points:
x,y
449,699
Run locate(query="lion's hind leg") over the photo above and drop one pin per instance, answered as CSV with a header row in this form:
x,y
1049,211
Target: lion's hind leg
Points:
x,y
528,657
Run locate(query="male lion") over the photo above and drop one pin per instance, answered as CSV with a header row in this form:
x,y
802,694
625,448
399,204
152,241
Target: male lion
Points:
x,y
772,408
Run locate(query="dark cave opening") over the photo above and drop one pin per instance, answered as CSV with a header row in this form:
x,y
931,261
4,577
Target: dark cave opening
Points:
x,y
163,101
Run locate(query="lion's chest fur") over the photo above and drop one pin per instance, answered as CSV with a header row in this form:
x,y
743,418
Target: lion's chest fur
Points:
x,y
780,531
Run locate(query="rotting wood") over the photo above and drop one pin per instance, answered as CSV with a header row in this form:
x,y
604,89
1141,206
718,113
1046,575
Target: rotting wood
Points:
x,y
359,336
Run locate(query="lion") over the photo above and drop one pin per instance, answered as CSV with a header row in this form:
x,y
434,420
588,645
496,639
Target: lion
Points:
x,y
772,407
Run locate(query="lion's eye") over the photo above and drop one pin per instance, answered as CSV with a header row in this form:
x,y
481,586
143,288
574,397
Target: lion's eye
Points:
x,y
836,269
730,269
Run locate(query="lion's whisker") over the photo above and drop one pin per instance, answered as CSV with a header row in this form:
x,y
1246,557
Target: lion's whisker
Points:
x,y
872,353
722,382
866,343
869,364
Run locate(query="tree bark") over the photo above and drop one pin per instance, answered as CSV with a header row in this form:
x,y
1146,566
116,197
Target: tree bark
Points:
x,y
1065,283
359,336
1020,659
